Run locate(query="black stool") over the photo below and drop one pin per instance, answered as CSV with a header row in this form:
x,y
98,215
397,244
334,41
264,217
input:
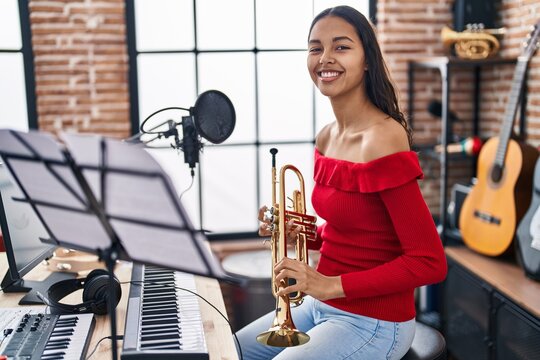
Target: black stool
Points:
x,y
428,344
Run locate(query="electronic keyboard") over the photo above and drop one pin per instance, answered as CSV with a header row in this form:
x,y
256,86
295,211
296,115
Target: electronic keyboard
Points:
x,y
49,337
163,322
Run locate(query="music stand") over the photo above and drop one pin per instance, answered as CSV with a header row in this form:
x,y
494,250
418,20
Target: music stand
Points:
x,y
109,198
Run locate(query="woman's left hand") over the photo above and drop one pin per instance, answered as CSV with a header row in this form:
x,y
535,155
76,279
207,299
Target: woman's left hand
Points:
x,y
308,280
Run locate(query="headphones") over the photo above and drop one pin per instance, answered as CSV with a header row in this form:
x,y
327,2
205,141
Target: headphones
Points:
x,y
95,294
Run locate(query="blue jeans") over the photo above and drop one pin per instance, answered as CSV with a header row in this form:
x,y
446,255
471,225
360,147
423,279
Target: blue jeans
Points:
x,y
334,334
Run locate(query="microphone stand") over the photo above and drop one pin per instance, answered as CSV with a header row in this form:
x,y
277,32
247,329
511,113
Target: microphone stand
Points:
x,y
190,144
171,132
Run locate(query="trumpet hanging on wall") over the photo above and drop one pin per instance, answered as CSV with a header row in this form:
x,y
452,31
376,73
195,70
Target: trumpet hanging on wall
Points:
x,y
473,43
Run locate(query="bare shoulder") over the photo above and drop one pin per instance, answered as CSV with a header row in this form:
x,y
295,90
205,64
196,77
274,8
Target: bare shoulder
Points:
x,y
323,137
387,138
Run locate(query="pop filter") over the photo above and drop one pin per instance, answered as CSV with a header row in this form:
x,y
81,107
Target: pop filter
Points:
x,y
214,115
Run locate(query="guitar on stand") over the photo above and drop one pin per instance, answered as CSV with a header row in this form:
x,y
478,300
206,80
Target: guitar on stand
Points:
x,y
528,232
492,210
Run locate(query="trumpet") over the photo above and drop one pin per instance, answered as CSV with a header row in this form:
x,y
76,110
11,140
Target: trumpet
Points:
x,y
473,43
283,332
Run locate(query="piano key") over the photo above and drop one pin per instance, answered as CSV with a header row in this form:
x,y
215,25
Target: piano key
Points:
x,y
164,347
164,310
160,336
55,354
161,342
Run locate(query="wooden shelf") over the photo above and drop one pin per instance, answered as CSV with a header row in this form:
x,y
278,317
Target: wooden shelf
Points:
x,y
504,275
439,61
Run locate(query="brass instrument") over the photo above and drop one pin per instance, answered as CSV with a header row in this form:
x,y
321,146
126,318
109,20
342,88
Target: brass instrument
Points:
x,y
473,43
283,333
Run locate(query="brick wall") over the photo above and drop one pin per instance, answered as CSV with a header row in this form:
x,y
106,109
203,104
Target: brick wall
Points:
x,y
411,29
81,65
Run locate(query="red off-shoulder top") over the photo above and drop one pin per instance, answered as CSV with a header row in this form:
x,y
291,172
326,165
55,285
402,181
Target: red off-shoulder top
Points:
x,y
379,235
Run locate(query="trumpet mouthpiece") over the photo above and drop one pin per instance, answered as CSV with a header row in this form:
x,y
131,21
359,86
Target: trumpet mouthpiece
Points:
x,y
273,151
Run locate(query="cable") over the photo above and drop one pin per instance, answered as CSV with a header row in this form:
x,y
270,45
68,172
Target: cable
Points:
x,y
155,113
119,337
190,185
136,282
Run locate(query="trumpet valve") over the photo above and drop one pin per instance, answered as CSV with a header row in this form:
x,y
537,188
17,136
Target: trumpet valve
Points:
x,y
269,218
272,216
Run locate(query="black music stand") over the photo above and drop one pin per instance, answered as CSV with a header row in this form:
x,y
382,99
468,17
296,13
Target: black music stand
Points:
x,y
108,198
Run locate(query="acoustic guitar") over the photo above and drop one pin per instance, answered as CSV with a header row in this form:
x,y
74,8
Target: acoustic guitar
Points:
x,y
495,205
528,232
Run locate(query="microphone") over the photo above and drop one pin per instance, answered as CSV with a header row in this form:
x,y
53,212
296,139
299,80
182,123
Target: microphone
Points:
x,y
212,117
191,143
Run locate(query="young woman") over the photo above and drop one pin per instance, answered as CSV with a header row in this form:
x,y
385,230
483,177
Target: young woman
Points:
x,y
379,241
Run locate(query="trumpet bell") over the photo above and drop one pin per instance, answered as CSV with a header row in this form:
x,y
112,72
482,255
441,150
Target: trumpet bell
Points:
x,y
282,337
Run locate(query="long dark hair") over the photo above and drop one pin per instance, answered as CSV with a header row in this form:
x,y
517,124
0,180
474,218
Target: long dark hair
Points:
x,y
379,87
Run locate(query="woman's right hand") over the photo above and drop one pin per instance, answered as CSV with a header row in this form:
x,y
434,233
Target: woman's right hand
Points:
x,y
264,228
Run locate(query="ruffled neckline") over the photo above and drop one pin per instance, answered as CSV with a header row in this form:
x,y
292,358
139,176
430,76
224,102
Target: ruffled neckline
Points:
x,y
386,172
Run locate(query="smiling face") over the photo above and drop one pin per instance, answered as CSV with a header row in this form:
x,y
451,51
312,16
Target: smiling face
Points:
x,y
336,58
